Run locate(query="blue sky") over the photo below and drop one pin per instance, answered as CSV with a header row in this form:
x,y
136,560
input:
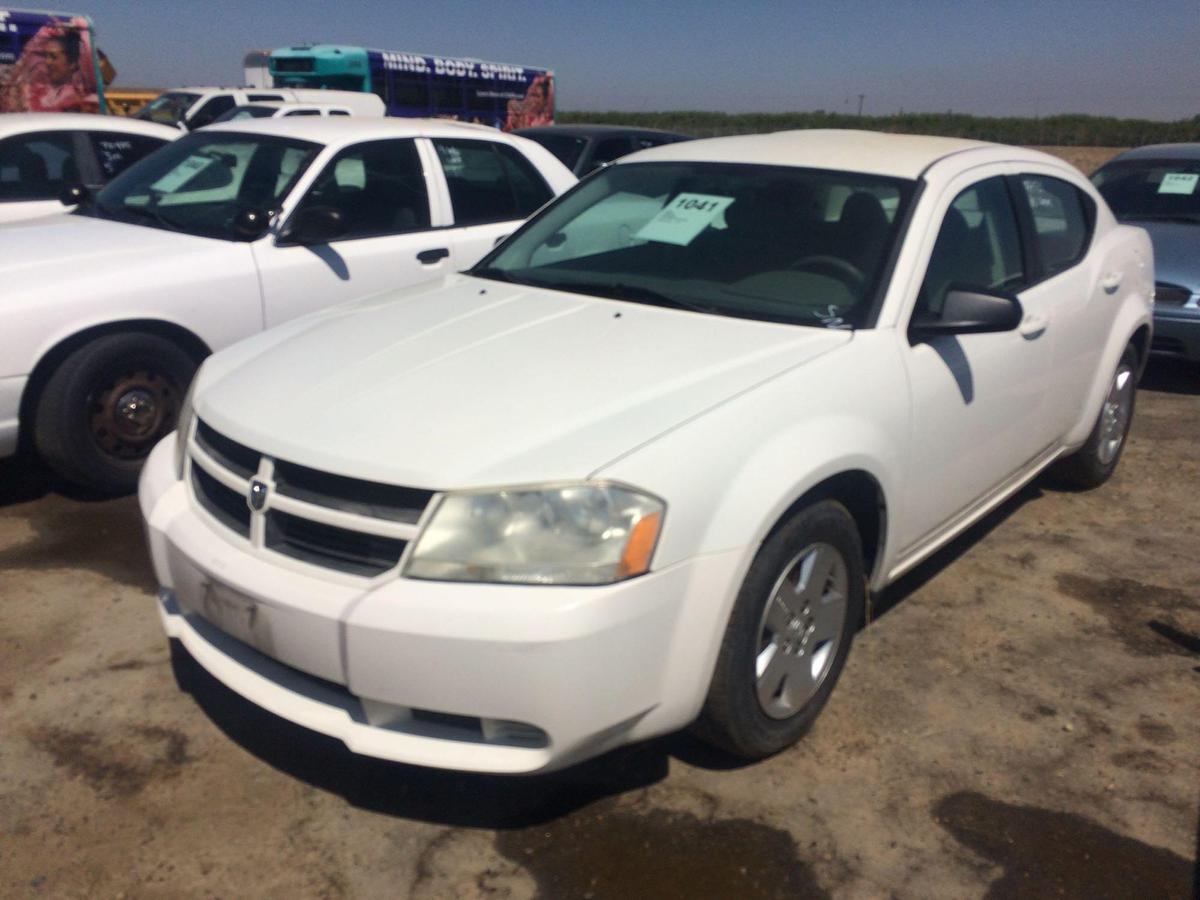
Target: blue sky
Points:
x,y
1005,57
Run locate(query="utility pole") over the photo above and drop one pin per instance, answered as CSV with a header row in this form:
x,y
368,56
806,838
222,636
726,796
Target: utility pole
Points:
x,y
861,97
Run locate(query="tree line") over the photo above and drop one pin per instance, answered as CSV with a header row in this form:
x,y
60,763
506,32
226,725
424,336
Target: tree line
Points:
x,y
1071,130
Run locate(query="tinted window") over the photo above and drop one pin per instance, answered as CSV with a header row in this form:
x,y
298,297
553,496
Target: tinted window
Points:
x,y
378,187
565,148
303,112
1152,188
116,152
36,166
268,97
1062,220
608,149
208,113
489,182
338,112
978,246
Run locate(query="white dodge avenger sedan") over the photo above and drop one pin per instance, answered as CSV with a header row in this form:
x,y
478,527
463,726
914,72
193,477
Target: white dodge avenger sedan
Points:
x,y
217,236
641,467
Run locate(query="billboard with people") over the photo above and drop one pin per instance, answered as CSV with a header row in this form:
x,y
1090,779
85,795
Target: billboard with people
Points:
x,y
49,62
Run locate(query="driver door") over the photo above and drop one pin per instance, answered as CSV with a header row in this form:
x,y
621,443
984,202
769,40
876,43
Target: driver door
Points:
x,y
978,400
380,190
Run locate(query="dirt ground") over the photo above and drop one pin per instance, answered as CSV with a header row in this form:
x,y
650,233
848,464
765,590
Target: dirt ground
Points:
x,y
1021,721
1086,159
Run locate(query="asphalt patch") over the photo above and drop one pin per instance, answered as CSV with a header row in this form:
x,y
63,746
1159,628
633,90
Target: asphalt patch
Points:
x,y
1134,610
152,754
603,853
1055,854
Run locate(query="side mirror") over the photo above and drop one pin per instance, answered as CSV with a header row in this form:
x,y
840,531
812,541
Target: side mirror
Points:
x,y
969,311
74,195
314,225
251,224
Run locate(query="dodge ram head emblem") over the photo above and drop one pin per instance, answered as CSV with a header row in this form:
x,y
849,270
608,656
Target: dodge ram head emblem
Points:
x,y
258,495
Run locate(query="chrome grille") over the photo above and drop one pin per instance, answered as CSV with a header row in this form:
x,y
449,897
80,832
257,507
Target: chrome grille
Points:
x,y
344,524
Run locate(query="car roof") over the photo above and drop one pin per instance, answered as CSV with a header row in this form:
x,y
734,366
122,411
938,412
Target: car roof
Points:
x,y
1160,151
19,123
896,155
594,130
337,129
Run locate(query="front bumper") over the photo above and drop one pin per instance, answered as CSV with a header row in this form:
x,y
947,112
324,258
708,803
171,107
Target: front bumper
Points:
x,y
1177,332
494,678
11,390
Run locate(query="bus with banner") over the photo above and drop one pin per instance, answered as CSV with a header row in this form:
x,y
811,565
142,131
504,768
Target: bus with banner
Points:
x,y
502,95
49,62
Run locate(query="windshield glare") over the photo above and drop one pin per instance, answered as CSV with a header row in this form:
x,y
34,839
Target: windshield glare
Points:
x,y
200,183
1152,188
776,243
168,109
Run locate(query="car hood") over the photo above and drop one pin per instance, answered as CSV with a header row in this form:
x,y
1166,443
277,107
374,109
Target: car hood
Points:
x,y
43,250
471,383
1176,251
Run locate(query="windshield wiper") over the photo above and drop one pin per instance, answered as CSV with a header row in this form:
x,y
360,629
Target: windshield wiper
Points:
x,y
495,274
148,212
636,293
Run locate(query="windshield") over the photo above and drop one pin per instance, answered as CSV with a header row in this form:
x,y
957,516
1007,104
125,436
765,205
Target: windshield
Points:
x,y
169,108
776,243
200,183
1152,189
246,112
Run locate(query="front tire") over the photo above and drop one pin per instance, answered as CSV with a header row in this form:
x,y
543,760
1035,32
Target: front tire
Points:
x,y
1093,463
788,636
107,405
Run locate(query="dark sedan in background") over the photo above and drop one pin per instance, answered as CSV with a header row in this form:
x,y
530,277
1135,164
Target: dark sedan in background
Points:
x,y
1158,188
582,148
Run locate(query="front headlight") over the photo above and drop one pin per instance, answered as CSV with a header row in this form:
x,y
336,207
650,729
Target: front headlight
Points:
x,y
581,534
183,427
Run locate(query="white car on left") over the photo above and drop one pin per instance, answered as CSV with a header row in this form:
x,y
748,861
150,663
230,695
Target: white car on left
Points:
x,y
225,232
43,154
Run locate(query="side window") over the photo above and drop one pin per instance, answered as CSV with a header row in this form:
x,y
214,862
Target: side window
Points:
x,y
978,246
1062,221
303,112
339,112
254,98
489,181
36,166
116,152
377,186
609,149
214,107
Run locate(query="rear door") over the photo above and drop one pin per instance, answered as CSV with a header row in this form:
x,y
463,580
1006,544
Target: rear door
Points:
x,y
382,194
492,188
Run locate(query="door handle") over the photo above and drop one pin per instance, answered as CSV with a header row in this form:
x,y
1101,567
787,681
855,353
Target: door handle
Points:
x,y
1032,326
432,256
1111,282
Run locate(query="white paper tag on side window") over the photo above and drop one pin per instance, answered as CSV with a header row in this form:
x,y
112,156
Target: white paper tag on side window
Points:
x,y
683,218
1178,183
182,173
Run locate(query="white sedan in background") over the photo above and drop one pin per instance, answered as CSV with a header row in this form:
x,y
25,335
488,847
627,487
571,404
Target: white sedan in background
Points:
x,y
219,235
43,154
641,466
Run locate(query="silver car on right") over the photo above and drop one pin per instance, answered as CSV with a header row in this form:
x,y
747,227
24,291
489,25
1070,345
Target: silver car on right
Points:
x,y
1158,188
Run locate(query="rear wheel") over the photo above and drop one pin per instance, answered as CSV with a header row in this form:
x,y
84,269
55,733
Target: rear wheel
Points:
x,y
788,636
1093,463
107,405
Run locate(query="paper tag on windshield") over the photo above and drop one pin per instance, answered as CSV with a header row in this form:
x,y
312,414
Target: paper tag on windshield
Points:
x,y
1178,183
182,173
683,218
